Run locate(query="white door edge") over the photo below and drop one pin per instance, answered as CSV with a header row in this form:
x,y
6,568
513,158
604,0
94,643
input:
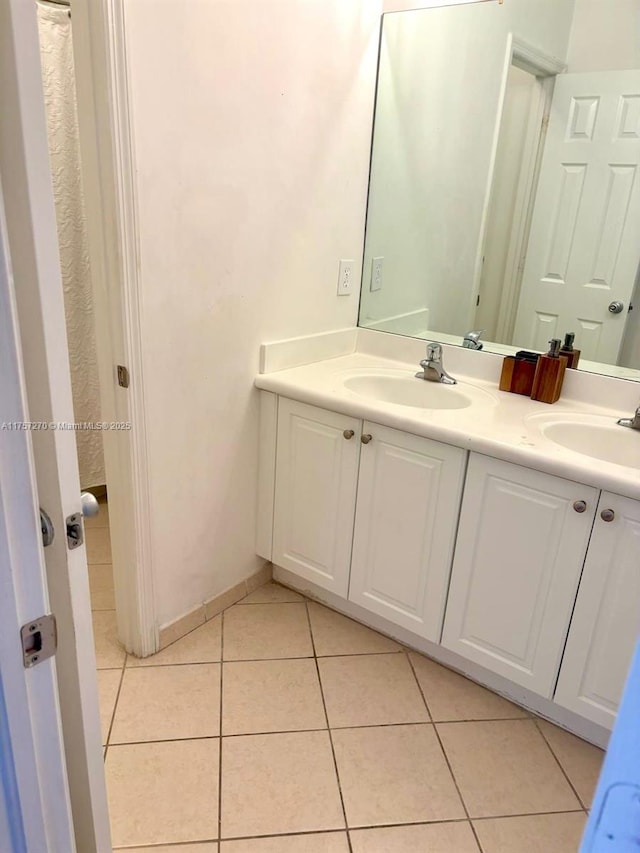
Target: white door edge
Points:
x,y
108,158
34,794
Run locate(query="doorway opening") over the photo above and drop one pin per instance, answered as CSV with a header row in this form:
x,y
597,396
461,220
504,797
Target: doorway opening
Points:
x,y
59,87
524,121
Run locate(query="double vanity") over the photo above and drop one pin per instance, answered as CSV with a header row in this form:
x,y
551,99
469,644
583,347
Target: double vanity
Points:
x,y
499,535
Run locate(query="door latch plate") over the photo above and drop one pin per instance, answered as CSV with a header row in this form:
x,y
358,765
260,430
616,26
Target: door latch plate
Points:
x,y
123,376
39,640
75,530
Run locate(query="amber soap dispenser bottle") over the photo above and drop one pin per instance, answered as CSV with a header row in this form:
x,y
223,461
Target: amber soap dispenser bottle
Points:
x,y
547,382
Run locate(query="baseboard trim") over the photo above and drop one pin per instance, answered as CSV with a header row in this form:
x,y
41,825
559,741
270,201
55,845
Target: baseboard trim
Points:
x,y
208,609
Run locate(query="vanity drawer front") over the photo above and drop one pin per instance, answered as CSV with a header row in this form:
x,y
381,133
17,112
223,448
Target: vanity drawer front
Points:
x,y
520,549
606,620
409,493
316,481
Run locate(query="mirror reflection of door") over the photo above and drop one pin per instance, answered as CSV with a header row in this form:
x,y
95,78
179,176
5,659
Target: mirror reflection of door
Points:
x,y
505,187
584,243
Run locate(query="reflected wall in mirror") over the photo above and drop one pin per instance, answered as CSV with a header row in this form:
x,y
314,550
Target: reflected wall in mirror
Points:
x,y
505,178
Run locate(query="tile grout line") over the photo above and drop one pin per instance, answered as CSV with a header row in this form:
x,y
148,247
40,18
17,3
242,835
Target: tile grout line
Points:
x,y
559,763
241,660
326,716
220,728
446,757
311,832
115,705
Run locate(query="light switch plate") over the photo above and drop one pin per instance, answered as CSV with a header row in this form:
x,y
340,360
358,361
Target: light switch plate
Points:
x,y
345,277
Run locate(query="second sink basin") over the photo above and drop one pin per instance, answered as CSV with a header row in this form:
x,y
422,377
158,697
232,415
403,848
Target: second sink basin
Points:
x,y
592,435
403,389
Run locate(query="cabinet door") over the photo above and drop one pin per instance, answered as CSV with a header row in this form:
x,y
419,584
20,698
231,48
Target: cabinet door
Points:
x,y
606,619
520,549
316,481
409,492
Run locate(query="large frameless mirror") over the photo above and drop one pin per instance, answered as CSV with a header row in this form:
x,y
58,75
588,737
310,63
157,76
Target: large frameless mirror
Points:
x,y
504,191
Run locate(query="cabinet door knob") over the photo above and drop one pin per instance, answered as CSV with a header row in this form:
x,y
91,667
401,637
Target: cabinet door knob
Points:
x,y
607,515
580,506
348,433
366,438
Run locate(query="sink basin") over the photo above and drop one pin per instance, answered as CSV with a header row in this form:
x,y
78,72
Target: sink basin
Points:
x,y
593,435
402,389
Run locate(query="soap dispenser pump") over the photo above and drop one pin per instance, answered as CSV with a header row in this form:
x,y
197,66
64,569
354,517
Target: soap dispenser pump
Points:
x,y
547,382
569,352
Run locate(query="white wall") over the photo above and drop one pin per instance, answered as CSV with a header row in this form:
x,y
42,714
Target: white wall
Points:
x,y
251,126
441,80
605,36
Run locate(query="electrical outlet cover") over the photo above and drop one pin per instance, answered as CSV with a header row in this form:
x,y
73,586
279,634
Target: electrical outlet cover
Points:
x,y
345,277
376,274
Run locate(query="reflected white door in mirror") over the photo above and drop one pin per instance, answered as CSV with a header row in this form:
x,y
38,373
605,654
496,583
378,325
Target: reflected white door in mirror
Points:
x,y
519,217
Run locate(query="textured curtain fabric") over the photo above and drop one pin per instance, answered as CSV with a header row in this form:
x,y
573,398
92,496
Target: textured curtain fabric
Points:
x,y
62,129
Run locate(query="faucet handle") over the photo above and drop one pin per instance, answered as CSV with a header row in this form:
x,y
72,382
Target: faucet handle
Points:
x,y
472,339
434,351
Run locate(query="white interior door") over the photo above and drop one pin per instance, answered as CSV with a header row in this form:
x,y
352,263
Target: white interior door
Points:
x,y
583,250
35,810
33,251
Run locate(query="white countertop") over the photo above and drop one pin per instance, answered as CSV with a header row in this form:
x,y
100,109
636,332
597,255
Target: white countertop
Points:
x,y
502,428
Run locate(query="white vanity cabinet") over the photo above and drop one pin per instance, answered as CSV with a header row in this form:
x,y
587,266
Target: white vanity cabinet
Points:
x,y
521,545
606,620
402,525
531,580
316,478
409,492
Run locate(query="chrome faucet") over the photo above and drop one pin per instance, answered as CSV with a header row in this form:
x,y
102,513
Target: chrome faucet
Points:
x,y
632,423
472,340
432,369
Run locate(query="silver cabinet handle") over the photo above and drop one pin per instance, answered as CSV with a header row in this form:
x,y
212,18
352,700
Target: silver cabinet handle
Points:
x,y
607,515
616,307
580,506
366,438
348,434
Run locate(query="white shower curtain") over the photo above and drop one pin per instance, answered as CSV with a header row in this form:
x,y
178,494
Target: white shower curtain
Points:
x,y
62,129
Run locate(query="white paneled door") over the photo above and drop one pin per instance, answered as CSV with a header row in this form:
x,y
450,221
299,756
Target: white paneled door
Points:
x,y
316,482
38,467
521,545
606,622
583,250
409,493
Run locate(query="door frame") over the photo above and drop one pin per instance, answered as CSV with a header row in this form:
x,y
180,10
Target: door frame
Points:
x,y
529,58
108,172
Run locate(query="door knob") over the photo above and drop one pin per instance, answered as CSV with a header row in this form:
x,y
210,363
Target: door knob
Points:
x,y
348,433
607,515
90,505
580,506
366,438
616,307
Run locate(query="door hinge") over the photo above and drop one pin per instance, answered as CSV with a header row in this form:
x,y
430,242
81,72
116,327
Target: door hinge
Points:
x,y
39,640
123,376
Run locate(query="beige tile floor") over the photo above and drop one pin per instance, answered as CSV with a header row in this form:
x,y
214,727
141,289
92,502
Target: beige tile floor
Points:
x,y
282,727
